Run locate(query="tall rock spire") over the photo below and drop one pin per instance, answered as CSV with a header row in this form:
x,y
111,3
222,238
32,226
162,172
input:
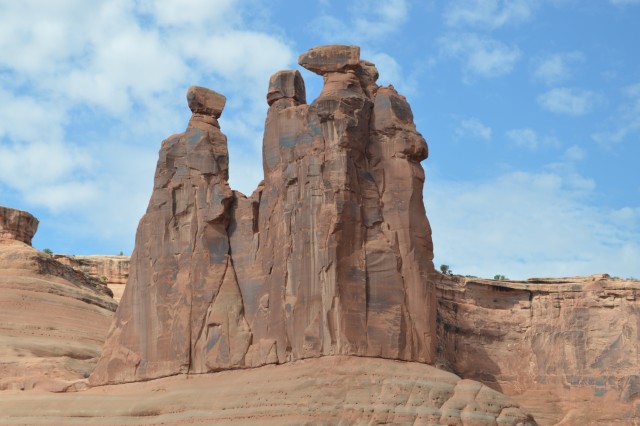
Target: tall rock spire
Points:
x,y
332,253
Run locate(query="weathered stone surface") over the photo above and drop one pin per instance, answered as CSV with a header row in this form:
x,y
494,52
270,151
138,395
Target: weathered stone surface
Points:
x,y
181,311
111,270
331,58
205,101
325,391
566,349
331,255
286,84
17,225
53,319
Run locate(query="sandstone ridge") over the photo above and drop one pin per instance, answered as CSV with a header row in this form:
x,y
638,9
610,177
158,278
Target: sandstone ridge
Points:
x,y
331,255
53,319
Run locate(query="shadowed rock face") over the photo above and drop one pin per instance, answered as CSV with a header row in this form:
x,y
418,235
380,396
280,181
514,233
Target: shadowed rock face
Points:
x,y
17,225
565,349
332,253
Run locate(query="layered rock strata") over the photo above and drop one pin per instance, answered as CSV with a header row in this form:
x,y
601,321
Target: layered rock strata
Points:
x,y
565,349
53,319
17,225
330,255
111,270
326,391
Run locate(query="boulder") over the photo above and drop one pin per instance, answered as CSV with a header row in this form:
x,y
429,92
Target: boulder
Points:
x,y
17,225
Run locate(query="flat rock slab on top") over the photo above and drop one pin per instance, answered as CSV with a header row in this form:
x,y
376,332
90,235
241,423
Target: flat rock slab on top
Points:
x,y
332,58
205,101
17,225
286,84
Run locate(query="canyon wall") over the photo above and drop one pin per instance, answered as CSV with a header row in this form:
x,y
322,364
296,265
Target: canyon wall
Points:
x,y
53,319
565,348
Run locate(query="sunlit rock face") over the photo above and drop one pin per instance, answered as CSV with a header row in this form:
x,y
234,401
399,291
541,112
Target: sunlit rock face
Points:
x,y
53,318
567,349
17,225
332,253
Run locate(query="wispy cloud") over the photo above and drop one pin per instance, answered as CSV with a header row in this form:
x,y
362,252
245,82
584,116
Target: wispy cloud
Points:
x,y
555,68
489,14
524,224
88,85
575,153
529,139
474,129
367,21
481,56
568,101
626,119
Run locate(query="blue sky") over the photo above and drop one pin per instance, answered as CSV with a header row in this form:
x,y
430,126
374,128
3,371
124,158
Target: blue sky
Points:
x,y
531,110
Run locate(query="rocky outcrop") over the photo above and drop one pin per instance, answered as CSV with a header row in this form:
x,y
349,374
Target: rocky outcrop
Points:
x,y
565,349
331,255
330,390
17,225
53,319
110,270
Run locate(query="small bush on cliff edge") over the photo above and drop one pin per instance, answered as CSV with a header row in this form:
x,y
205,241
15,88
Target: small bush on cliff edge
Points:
x,y
445,270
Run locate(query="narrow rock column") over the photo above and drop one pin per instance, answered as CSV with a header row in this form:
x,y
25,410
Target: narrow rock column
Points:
x,y
182,310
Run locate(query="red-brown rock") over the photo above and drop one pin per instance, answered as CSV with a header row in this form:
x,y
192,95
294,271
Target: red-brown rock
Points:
x,y
205,101
286,84
330,255
331,58
53,319
566,349
17,225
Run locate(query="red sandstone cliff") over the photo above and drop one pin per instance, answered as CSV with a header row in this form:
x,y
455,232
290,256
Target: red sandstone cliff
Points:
x,y
53,319
565,348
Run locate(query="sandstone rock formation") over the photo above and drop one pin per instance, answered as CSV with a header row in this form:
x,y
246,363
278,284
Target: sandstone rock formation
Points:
x,y
17,225
111,270
325,391
53,320
331,255
565,349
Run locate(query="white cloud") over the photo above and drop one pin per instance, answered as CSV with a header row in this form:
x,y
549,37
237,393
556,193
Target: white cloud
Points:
x,y
529,139
526,138
568,101
489,14
627,119
90,86
481,56
25,166
575,153
524,224
368,20
474,129
555,68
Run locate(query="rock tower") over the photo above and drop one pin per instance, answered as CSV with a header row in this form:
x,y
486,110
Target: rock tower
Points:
x,y
332,253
